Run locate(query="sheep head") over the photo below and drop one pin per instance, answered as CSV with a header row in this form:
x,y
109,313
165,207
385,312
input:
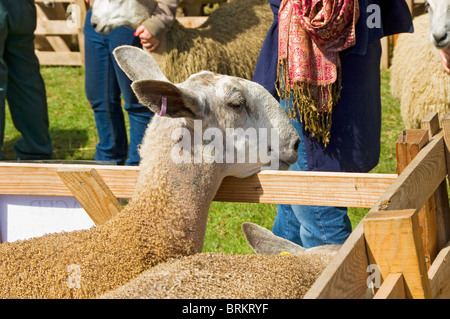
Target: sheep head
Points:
x,y
439,13
263,241
110,14
242,127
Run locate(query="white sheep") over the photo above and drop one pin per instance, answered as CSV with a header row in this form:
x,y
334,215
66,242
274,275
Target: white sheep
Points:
x,y
167,215
418,79
229,42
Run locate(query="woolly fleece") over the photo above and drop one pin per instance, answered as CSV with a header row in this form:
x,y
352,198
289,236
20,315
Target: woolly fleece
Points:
x,y
219,275
229,42
417,77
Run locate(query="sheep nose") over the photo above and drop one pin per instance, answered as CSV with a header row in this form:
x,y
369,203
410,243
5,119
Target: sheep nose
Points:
x,y
439,37
94,21
296,144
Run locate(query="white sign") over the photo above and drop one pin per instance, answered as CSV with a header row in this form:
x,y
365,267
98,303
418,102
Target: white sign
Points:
x,y
23,217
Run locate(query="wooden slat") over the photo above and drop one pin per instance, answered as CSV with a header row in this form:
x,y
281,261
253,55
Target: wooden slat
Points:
x,y
392,288
307,188
358,190
439,274
59,58
91,192
431,124
395,244
345,277
418,180
408,145
43,179
54,27
443,217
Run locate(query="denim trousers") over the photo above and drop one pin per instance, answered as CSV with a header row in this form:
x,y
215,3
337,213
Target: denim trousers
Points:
x,y
310,226
21,83
106,85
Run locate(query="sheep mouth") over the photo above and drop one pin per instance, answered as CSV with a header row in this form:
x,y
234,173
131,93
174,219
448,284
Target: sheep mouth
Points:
x,y
283,166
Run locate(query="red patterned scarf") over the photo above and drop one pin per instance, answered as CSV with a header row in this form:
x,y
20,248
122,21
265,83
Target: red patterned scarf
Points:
x,y
311,35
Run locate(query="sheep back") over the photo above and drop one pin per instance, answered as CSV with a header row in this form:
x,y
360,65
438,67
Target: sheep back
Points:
x,y
229,42
219,275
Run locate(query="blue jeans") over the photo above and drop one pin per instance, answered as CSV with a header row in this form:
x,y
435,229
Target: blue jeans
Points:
x,y
310,226
104,84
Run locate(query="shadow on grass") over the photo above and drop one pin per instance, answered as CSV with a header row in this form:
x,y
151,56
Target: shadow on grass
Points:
x,y
66,143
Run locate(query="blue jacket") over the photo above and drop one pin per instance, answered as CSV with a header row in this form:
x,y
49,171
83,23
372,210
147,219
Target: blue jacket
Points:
x,y
355,132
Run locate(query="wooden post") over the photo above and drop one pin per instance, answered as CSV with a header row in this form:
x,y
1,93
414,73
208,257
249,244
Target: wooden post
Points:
x,y
443,216
407,147
384,53
92,193
394,243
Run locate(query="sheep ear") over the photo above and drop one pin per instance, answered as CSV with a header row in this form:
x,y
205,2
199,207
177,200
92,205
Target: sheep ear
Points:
x,y
138,64
179,102
263,241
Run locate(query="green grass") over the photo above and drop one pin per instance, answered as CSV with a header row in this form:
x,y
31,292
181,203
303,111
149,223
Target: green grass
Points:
x,y
74,136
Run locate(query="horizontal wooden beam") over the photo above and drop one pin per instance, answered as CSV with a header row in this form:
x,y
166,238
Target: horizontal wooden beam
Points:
x,y
283,187
59,58
54,27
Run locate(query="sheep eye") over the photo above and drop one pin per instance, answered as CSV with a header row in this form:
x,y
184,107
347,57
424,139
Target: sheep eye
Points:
x,y
237,104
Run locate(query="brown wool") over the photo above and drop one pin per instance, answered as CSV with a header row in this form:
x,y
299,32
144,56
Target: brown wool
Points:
x,y
219,275
228,43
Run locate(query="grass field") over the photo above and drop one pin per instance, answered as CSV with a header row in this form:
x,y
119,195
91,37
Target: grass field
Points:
x,y
74,136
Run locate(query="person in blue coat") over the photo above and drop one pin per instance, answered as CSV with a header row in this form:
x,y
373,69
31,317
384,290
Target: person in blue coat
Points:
x,y
354,144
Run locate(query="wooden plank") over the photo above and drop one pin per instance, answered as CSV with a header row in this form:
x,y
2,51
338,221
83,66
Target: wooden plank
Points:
x,y
408,145
92,193
443,217
346,276
419,179
56,42
439,274
59,58
433,221
384,53
54,27
392,288
84,7
266,187
394,244
431,124
307,188
43,179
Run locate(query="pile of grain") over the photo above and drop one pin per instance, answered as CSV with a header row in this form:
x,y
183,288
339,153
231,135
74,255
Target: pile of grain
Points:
x,y
218,275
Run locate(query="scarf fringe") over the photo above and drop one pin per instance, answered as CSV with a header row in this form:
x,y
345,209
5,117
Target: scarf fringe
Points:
x,y
304,103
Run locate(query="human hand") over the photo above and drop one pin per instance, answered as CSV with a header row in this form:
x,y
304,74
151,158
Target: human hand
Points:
x,y
148,40
445,57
